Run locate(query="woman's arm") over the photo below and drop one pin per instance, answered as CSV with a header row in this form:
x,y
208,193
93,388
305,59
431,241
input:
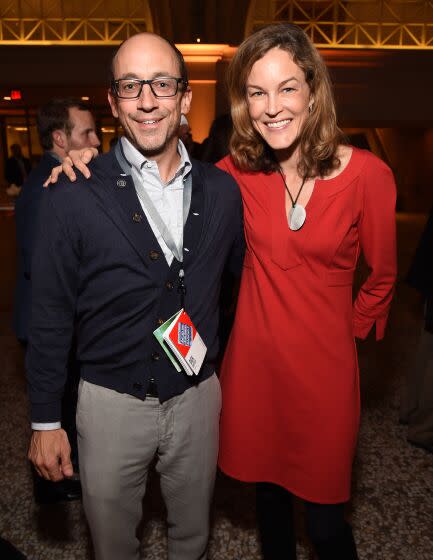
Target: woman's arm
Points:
x,y
377,234
75,158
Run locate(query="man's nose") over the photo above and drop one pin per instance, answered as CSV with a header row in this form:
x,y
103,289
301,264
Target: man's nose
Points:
x,y
94,140
147,100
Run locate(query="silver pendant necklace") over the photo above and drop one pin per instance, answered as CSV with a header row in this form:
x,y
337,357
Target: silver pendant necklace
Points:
x,y
297,213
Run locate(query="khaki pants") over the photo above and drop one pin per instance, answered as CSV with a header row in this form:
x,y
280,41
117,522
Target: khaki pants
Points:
x,y
118,438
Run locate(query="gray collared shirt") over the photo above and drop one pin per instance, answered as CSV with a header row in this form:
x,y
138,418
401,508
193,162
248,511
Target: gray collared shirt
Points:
x,y
166,197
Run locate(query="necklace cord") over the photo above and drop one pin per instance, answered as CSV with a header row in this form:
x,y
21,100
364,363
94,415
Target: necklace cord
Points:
x,y
294,201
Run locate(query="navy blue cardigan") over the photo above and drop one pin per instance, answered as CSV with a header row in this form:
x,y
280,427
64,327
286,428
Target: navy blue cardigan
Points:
x,y
99,270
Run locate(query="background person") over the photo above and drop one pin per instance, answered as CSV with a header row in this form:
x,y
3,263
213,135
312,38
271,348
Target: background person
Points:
x,y
185,134
63,125
216,145
290,382
17,168
416,408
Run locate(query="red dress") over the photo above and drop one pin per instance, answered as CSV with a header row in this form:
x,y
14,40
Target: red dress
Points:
x,y
290,377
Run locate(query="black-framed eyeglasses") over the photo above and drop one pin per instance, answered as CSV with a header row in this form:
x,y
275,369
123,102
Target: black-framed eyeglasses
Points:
x,y
131,88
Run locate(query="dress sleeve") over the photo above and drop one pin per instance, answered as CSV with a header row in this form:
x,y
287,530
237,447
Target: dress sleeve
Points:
x,y
377,234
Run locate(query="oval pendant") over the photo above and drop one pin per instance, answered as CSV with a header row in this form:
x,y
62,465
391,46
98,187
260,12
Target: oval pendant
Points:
x,y
297,216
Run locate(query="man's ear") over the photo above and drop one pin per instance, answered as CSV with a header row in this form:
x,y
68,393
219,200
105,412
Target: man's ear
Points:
x,y
113,103
60,139
185,103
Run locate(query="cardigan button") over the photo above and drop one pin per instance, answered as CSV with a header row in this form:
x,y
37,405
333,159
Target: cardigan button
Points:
x,y
169,285
155,356
160,321
137,218
153,255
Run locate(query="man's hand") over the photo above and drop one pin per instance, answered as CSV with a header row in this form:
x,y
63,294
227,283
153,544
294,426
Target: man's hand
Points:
x,y
50,453
13,190
77,158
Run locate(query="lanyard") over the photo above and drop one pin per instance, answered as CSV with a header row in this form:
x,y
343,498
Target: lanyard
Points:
x,y
147,203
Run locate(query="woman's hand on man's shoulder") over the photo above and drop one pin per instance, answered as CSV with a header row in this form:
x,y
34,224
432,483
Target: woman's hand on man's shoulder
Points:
x,y
75,158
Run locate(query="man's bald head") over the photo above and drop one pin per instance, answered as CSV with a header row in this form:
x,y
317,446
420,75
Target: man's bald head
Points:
x,y
150,40
150,121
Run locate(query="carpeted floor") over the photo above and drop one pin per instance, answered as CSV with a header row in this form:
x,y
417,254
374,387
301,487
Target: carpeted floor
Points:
x,y
392,506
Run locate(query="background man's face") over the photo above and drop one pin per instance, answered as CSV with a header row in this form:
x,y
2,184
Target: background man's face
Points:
x,y
150,123
83,134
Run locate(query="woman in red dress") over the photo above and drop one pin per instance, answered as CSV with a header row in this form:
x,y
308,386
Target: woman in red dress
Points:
x,y
290,377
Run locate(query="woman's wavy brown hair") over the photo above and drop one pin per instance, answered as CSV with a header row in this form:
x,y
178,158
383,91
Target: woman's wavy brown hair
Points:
x,y
320,135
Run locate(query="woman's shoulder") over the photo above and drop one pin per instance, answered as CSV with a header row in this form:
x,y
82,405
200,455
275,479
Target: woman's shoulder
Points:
x,y
216,178
228,165
355,162
368,160
373,175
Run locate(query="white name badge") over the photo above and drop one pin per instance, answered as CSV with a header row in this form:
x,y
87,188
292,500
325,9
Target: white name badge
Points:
x,y
182,343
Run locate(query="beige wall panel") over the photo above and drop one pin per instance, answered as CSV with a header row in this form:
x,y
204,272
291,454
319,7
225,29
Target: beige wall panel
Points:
x,y
203,108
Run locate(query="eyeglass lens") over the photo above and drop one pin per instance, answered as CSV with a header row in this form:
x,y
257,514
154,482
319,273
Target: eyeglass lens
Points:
x,y
161,87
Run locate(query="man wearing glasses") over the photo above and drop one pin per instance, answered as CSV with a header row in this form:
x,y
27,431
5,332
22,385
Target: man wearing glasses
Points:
x,y
118,255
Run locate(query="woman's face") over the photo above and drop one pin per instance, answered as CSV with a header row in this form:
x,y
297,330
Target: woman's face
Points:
x,y
278,98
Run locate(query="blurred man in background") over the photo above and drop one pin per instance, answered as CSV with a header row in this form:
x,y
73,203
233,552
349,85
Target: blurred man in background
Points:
x,y
63,125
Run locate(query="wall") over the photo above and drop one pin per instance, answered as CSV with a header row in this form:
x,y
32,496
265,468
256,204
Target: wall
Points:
x,y
387,90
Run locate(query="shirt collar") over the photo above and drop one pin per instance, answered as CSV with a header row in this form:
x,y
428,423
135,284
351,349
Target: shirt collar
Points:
x,y
55,156
139,161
